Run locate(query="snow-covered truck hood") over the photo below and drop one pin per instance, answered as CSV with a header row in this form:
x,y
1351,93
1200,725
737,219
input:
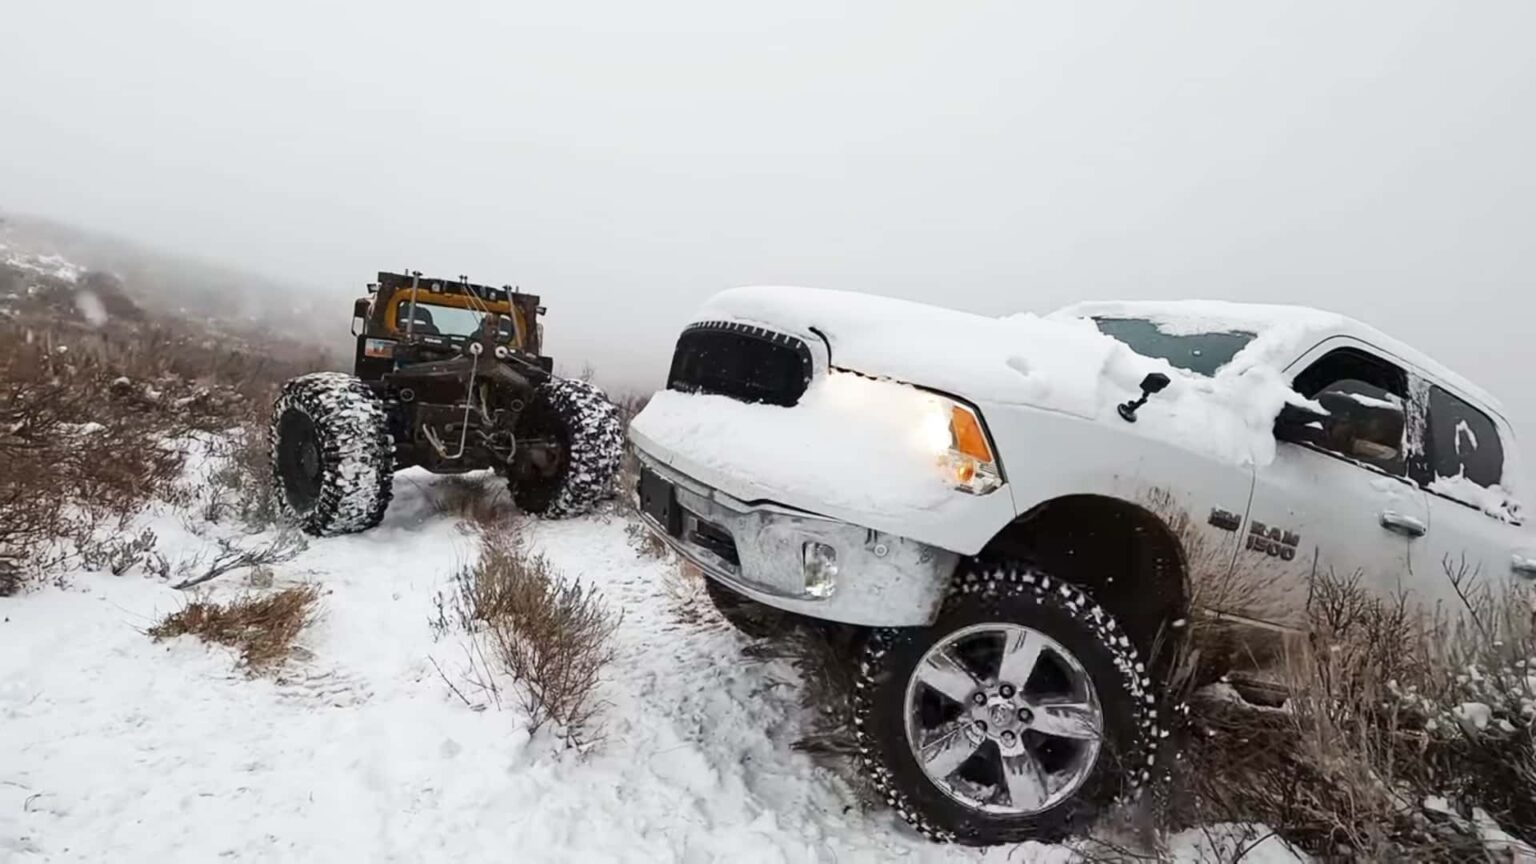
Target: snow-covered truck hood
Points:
x,y
1059,363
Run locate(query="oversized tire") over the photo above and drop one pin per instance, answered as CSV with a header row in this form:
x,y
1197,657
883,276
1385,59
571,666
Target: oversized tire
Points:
x,y
1017,715
590,438
751,618
332,454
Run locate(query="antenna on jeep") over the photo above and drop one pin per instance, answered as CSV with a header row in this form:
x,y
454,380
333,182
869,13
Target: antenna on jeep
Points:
x,y
410,322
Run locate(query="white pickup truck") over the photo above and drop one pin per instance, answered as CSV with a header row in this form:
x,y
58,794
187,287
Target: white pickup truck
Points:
x,y
1015,510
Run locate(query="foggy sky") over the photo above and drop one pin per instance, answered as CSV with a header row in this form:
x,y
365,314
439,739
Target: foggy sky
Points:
x,y
625,160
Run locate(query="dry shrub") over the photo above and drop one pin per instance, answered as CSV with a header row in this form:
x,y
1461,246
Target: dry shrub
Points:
x,y
240,484
1390,707
118,554
553,635
232,556
645,542
80,455
262,627
93,416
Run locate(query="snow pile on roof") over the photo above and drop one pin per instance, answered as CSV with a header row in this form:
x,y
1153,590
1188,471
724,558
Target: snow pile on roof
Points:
x,y
851,442
1060,363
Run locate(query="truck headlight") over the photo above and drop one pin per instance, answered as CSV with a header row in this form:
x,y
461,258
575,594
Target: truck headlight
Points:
x,y
965,456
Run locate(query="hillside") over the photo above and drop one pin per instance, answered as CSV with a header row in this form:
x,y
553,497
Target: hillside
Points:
x,y
363,696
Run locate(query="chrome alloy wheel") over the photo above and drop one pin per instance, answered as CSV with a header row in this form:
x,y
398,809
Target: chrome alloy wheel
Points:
x,y
1003,719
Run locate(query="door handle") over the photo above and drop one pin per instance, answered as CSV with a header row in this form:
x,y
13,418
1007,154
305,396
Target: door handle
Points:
x,y
1524,565
1402,523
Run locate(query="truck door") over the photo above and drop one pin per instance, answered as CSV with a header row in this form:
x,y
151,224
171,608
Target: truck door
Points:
x,y
1476,542
1337,502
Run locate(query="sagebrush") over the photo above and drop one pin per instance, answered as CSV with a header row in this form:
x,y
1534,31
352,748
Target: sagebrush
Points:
x,y
96,419
1407,733
262,627
551,634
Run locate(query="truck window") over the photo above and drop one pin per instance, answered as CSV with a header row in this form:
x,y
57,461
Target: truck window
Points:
x,y
1365,398
1463,441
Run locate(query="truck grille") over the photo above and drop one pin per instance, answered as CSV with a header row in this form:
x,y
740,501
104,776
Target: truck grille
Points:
x,y
740,361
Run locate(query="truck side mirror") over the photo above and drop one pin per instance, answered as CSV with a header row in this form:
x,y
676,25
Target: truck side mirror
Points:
x,y
1300,423
1155,382
359,313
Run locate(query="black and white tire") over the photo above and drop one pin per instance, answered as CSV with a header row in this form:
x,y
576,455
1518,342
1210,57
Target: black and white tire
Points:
x,y
586,425
1067,751
332,454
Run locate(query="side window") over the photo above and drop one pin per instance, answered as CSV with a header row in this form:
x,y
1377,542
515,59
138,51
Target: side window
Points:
x,y
1463,442
1364,396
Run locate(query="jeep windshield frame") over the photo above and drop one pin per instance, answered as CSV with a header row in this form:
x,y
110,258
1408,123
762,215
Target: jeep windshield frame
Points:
x,y
455,321
1201,353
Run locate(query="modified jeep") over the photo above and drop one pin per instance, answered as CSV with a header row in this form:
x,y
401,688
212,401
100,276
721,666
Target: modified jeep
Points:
x,y
450,376
1014,514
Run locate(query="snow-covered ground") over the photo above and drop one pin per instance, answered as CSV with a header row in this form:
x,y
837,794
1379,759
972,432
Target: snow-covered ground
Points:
x,y
116,748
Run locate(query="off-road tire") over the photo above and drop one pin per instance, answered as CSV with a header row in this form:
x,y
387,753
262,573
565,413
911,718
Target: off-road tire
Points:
x,y
591,436
353,458
1019,594
751,618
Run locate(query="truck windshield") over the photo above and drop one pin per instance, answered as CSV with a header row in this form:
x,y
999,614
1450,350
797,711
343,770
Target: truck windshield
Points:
x,y
434,320
1198,352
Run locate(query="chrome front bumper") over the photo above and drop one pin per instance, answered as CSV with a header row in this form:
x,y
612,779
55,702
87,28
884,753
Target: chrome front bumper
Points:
x,y
882,580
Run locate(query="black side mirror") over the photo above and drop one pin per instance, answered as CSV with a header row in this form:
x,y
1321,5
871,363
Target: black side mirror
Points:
x,y
1155,382
1300,423
359,313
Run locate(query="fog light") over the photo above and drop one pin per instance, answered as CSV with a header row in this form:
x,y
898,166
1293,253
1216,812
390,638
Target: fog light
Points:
x,y
820,569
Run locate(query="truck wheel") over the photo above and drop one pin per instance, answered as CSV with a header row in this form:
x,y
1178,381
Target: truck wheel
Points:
x,y
332,455
588,443
1018,714
751,618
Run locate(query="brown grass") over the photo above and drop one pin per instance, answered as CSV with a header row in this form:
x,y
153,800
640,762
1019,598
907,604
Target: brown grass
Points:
x,y
553,635
91,419
645,543
263,627
1371,731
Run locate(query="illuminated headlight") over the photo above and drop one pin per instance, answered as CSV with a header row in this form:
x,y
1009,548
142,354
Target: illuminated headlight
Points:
x,y
965,456
820,563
